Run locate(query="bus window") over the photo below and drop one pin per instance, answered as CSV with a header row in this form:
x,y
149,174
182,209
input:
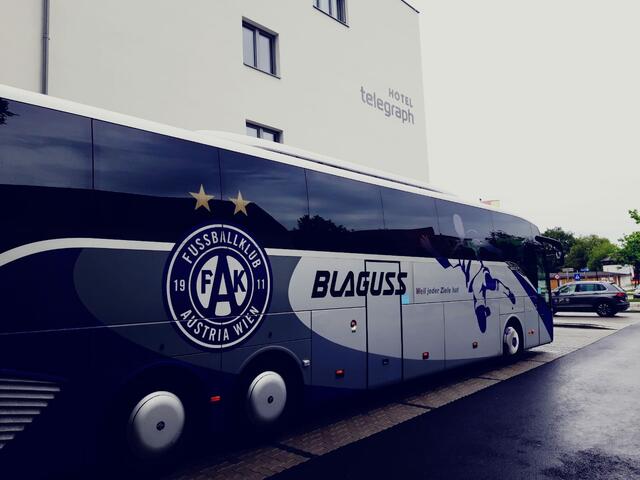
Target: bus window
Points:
x,y
511,225
276,192
45,174
45,190
44,148
147,182
513,240
465,231
344,215
410,222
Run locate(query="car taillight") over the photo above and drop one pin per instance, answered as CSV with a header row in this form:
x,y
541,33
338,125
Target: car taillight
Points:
x,y
621,295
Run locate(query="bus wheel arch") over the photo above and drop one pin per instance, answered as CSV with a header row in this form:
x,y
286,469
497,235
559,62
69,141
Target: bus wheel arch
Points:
x,y
513,337
269,389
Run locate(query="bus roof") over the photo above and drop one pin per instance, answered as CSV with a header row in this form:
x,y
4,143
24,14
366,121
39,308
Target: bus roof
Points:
x,y
244,144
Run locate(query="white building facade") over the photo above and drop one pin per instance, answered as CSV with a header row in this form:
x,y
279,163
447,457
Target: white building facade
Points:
x,y
339,77
626,271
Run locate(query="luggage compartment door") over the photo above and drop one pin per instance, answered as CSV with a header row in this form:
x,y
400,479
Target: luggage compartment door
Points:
x,y
384,325
339,343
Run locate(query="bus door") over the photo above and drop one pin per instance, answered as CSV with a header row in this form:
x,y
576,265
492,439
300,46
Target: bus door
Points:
x,y
384,330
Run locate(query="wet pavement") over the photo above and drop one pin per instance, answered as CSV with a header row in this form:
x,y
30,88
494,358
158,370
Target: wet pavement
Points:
x,y
478,422
577,417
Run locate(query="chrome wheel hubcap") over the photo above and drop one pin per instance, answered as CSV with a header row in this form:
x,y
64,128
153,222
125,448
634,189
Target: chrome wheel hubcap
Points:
x,y
266,398
156,424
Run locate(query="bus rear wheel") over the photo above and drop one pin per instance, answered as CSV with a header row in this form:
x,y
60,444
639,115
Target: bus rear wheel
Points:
x,y
268,396
266,399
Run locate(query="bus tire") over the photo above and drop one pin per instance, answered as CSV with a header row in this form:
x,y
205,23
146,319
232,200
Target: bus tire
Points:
x,y
150,425
156,424
512,340
268,396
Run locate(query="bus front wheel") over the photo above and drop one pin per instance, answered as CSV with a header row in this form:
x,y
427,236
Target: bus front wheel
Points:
x,y
512,340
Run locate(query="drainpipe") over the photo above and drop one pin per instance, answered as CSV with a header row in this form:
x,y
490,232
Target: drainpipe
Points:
x,y
45,47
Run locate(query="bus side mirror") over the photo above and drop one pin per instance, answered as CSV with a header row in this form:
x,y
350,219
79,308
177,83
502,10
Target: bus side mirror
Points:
x,y
554,246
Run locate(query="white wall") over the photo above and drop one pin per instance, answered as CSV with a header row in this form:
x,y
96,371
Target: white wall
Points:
x,y
626,282
181,63
21,43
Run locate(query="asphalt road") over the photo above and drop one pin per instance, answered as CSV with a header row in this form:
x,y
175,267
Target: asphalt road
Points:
x,y
577,417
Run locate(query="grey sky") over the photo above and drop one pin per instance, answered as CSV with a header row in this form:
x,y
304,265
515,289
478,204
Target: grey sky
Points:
x,y
537,103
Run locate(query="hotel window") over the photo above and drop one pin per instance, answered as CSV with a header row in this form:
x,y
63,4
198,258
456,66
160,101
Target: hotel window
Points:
x,y
266,133
334,8
259,48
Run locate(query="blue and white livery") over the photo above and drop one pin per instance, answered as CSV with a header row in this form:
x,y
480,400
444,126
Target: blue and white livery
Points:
x,y
153,280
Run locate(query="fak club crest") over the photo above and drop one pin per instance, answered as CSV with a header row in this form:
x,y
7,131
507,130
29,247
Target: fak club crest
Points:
x,y
218,286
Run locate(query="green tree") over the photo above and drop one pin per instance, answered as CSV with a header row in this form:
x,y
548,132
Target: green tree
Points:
x,y
629,253
599,252
635,215
589,252
567,239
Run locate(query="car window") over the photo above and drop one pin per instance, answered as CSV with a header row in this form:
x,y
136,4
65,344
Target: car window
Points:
x,y
601,287
567,289
617,287
586,287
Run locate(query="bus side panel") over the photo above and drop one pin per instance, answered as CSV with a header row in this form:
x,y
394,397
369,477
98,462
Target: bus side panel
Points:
x,y
423,339
384,329
235,359
515,306
307,292
338,345
545,336
531,324
464,340
44,379
276,328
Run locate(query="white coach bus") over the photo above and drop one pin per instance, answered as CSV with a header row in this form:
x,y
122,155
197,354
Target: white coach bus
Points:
x,y
154,279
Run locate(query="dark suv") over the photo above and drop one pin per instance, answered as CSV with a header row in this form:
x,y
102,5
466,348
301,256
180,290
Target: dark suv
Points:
x,y
604,298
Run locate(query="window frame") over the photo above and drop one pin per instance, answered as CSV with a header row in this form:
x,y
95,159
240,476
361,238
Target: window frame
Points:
x,y
567,289
273,45
263,128
341,14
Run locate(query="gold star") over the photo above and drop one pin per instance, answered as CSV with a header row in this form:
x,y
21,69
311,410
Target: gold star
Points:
x,y
202,199
240,204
